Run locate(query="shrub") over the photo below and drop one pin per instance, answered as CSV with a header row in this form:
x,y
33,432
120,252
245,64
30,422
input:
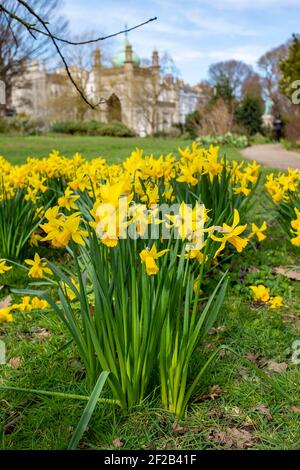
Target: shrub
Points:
x,y
22,124
234,140
217,118
292,129
112,128
193,123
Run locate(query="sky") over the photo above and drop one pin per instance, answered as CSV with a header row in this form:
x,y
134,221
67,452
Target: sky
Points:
x,y
196,33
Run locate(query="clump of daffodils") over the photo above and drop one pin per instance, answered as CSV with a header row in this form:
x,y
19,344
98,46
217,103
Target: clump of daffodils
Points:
x,y
295,224
281,186
95,195
284,190
27,304
262,295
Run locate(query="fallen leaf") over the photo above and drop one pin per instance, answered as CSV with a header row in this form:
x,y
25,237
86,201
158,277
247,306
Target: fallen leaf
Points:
x,y
264,410
213,392
252,269
216,412
252,357
150,446
5,302
276,367
40,334
234,438
289,273
11,425
15,362
177,428
218,329
295,409
248,423
257,359
117,443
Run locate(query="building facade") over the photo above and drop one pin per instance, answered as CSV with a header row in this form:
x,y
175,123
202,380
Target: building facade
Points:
x,y
139,96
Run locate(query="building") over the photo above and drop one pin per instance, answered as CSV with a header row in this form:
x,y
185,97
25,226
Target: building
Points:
x,y
188,101
140,96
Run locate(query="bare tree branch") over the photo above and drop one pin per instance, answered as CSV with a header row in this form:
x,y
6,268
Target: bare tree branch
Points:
x,y
101,38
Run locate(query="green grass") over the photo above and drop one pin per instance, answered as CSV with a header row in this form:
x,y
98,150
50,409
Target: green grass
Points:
x,y
17,148
39,422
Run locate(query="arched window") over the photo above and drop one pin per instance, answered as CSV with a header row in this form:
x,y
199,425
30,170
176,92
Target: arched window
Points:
x,y
114,109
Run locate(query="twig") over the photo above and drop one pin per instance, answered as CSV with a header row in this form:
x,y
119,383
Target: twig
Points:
x,y
91,41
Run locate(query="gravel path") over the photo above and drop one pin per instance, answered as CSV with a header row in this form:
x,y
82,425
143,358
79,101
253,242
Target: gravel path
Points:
x,y
273,155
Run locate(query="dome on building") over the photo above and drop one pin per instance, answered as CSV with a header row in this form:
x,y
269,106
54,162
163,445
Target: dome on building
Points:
x,y
119,58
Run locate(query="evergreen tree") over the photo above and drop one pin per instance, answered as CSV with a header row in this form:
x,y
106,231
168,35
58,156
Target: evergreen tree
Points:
x,y
290,68
249,114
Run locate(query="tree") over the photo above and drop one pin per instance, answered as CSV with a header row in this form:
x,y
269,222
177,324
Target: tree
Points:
x,y
193,123
17,47
224,91
252,86
290,68
230,76
269,65
35,23
66,103
249,113
146,98
80,60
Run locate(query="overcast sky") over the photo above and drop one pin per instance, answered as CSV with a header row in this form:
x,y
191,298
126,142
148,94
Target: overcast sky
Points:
x,y
195,32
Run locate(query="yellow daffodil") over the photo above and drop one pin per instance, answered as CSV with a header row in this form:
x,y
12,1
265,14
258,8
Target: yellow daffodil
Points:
x,y
28,304
34,239
61,229
187,175
39,304
5,315
149,256
231,235
39,267
25,305
68,200
69,291
259,232
276,302
3,267
261,293
243,189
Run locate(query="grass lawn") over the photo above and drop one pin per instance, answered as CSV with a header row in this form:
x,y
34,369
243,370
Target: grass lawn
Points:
x,y
234,406
17,148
